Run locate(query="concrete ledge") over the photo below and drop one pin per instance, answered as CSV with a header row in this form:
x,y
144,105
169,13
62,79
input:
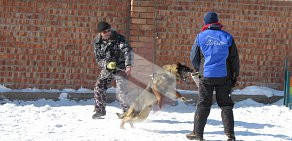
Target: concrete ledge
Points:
x,y
31,96
28,96
237,98
111,97
258,98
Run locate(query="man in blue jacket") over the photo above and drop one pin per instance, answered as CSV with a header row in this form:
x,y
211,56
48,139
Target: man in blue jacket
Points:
x,y
214,55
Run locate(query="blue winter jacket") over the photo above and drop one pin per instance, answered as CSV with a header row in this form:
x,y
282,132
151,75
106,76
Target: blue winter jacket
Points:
x,y
214,54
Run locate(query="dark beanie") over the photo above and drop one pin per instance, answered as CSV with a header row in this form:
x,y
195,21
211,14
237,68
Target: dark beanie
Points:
x,y
210,17
103,26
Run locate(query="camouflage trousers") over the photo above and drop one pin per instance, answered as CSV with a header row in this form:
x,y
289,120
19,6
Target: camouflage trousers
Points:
x,y
101,85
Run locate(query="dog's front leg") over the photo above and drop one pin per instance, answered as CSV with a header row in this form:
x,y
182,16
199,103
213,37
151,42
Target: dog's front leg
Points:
x,y
122,124
179,96
158,96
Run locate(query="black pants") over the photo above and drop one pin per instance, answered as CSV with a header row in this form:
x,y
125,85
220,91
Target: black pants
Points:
x,y
222,88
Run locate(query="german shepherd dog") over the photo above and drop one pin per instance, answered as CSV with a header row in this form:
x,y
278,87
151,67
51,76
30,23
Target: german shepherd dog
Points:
x,y
161,85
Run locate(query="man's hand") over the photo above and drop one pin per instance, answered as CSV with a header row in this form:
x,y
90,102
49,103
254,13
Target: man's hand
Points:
x,y
128,70
111,65
195,77
234,82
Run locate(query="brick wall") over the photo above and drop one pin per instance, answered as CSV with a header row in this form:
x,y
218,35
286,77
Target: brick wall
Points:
x,y
262,30
47,44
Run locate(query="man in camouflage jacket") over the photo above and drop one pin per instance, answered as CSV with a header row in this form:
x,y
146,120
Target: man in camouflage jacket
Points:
x,y
114,56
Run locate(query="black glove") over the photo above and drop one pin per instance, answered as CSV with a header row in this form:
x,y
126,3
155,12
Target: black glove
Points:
x,y
233,81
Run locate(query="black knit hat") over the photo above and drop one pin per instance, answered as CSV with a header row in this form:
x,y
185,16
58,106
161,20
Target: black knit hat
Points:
x,y
102,26
210,17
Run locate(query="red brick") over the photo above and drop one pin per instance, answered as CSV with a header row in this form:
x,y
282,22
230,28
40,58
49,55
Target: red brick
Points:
x,y
146,27
147,15
139,9
138,44
134,14
138,21
143,3
146,39
134,38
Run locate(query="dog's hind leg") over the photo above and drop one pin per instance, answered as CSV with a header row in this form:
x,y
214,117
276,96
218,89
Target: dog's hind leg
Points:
x,y
122,124
131,124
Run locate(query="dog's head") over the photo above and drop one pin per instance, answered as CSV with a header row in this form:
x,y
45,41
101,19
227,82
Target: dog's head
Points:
x,y
180,71
183,71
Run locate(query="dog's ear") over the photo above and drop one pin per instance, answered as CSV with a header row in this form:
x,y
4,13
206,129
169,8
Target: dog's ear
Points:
x,y
178,66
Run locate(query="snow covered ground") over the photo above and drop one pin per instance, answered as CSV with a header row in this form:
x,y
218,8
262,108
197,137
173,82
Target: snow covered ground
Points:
x,y
46,120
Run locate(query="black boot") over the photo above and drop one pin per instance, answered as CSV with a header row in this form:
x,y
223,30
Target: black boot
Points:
x,y
193,136
228,122
200,120
98,114
230,138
